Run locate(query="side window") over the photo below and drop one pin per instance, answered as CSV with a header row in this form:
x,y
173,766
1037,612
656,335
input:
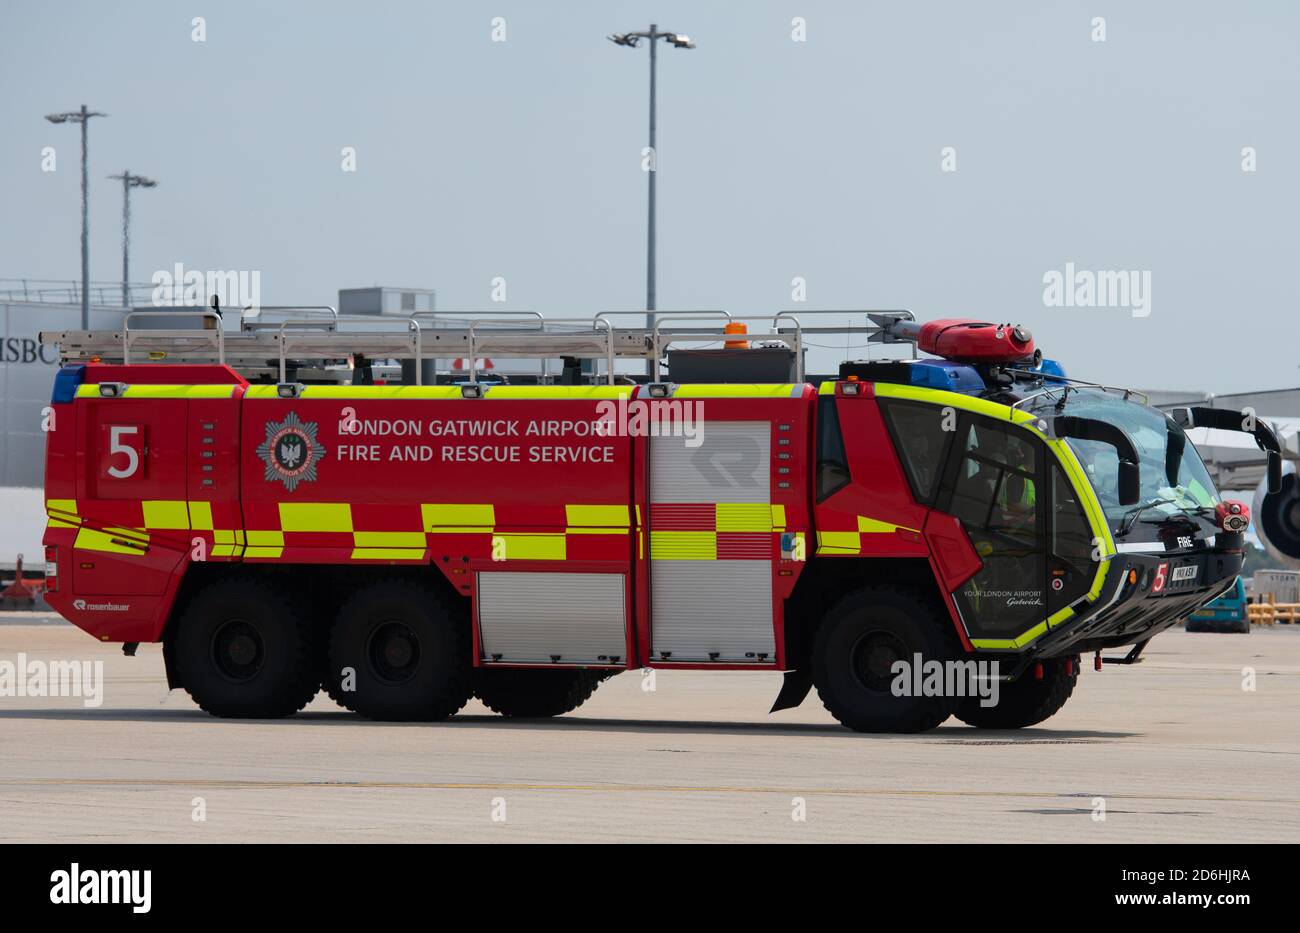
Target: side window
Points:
x,y
832,465
921,442
1070,565
995,493
995,489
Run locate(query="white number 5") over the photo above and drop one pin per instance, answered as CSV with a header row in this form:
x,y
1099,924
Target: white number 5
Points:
x,y
115,447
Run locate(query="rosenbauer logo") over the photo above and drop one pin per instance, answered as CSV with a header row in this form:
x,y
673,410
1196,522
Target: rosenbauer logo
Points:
x,y
82,606
290,451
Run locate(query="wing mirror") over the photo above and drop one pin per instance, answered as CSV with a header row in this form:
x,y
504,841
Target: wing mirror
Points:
x,y
1225,419
1091,429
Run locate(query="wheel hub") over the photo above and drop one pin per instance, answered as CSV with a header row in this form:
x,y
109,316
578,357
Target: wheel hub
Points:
x,y
394,652
874,657
237,651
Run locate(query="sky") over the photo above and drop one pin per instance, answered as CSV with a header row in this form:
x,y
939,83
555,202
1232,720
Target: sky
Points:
x,y
800,140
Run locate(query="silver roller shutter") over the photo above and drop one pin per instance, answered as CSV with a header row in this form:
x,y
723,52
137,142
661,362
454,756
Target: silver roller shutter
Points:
x,y
531,617
732,464
706,607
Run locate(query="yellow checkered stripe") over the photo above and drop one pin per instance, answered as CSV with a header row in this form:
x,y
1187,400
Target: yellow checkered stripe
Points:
x,y
62,513
180,515
158,515
580,521
437,519
456,518
112,539
850,542
729,518
336,518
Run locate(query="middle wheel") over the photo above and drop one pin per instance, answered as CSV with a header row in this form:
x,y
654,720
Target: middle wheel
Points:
x,y
532,693
398,652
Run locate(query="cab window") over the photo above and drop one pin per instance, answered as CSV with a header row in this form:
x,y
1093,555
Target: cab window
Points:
x,y
832,464
921,442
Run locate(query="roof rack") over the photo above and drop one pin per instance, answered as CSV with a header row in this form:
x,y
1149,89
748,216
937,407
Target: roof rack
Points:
x,y
300,337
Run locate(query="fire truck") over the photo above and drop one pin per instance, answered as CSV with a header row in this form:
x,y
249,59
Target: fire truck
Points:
x,y
311,504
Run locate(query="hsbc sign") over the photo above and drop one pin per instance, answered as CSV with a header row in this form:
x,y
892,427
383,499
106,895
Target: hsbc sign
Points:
x,y
27,369
27,350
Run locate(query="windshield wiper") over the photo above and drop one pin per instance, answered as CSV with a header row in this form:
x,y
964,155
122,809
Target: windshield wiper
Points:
x,y
1131,516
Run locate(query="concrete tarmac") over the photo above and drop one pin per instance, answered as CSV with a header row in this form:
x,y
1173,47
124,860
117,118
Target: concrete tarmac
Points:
x,y
1200,743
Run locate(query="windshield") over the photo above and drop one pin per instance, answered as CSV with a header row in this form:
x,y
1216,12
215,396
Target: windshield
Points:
x,y
1149,429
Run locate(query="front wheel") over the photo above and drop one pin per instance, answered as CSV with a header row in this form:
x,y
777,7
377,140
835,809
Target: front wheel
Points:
x,y
858,645
1027,701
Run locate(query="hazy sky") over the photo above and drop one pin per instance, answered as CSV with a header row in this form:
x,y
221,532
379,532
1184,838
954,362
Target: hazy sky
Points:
x,y
777,159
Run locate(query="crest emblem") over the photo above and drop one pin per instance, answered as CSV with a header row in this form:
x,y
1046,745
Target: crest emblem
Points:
x,y
290,451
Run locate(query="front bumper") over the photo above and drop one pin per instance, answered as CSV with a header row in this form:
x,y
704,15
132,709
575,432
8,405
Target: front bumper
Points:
x,y
1130,612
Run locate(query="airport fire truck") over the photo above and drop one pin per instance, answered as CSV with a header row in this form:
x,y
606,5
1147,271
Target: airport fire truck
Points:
x,y
308,502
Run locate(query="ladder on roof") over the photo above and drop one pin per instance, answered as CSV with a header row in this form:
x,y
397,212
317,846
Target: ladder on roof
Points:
x,y
302,340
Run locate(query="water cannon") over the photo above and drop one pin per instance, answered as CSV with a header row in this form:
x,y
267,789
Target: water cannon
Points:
x,y
960,339
1232,516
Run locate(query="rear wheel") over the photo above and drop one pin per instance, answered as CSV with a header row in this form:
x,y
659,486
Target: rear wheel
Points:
x,y
243,648
533,694
398,652
1027,701
858,643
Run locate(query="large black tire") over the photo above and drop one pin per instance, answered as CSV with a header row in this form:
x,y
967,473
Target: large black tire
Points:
x,y
399,651
1027,701
244,648
529,693
857,643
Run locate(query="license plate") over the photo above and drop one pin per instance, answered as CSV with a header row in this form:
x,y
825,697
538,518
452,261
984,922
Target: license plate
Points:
x,y
1182,574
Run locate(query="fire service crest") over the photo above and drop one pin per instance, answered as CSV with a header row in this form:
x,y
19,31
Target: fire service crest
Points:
x,y
290,451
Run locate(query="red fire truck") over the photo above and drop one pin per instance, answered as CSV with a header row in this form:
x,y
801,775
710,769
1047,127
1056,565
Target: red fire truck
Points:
x,y
311,504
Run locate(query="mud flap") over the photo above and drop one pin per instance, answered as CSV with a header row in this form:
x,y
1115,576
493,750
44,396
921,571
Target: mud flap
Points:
x,y
793,690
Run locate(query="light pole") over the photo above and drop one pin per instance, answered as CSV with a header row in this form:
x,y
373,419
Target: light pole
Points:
x,y
82,116
129,181
632,40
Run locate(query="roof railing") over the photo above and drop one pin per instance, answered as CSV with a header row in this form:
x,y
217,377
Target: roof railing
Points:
x,y
217,334
321,333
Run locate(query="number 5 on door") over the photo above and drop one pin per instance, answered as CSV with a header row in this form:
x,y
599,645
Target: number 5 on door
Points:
x,y
123,453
